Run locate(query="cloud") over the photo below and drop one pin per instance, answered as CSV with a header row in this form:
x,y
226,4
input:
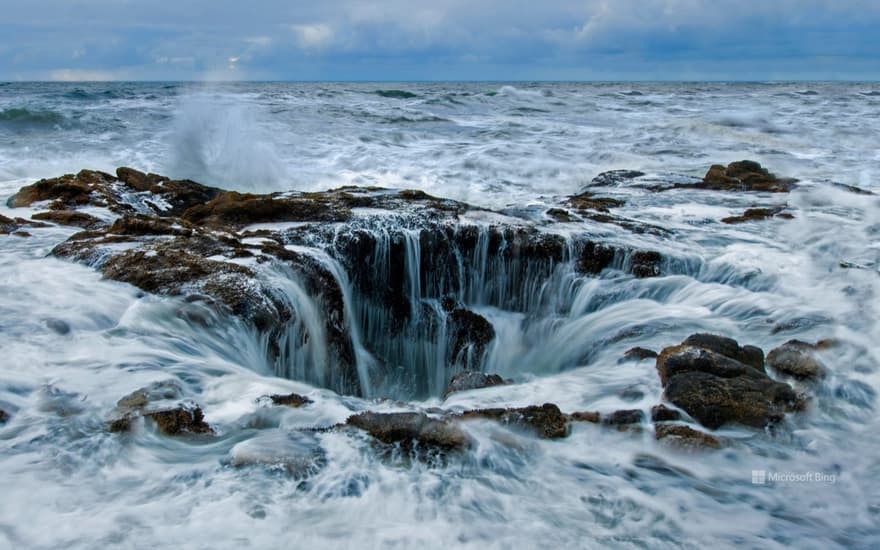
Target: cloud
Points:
x,y
443,39
313,36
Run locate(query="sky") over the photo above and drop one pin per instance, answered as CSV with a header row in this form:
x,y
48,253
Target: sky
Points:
x,y
387,40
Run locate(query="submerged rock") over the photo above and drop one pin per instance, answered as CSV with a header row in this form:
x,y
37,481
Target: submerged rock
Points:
x,y
715,388
472,380
685,437
297,454
13,226
4,416
638,354
592,417
797,359
545,421
645,263
411,429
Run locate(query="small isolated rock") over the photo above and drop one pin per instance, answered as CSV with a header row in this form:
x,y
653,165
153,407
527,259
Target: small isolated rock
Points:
x,y
745,175
584,416
58,326
4,416
472,380
662,413
291,400
182,419
623,418
589,201
546,420
411,429
798,360
684,437
715,388
638,354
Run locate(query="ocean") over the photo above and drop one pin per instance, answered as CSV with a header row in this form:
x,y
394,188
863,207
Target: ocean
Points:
x,y
74,342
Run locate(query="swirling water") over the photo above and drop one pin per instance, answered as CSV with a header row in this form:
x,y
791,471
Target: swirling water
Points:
x,y
73,344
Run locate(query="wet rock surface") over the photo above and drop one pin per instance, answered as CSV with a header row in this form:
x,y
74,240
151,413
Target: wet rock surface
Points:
x,y
4,416
716,389
411,428
662,413
472,380
797,359
545,421
745,175
638,354
685,437
758,214
290,400
180,420
69,217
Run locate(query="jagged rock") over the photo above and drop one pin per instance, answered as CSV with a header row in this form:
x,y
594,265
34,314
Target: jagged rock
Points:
x,y
411,429
662,413
622,418
472,380
182,419
716,389
66,191
744,175
684,437
545,421
290,400
645,263
757,214
585,416
752,356
797,359
638,354
69,217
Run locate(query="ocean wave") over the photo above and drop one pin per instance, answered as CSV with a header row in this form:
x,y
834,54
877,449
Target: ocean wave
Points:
x,y
24,117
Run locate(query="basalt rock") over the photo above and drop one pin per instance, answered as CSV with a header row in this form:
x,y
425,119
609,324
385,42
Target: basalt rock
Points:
x,y
744,175
685,437
469,335
545,421
645,263
411,430
662,413
750,355
472,380
290,400
181,420
716,389
757,214
69,217
797,359
624,417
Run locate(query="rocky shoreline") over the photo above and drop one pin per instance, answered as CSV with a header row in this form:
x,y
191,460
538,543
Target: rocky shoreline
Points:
x,y
379,269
